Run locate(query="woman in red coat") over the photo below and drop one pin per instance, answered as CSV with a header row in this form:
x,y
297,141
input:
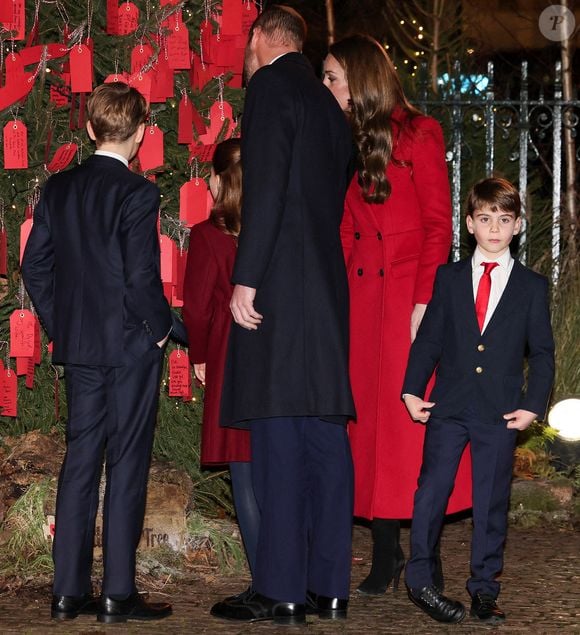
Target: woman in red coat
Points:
x,y
396,231
207,317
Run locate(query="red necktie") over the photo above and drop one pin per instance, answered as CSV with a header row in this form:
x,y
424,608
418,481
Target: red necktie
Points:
x,y
482,297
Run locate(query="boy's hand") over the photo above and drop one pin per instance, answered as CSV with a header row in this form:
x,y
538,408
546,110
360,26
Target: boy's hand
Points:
x,y
199,371
418,408
519,419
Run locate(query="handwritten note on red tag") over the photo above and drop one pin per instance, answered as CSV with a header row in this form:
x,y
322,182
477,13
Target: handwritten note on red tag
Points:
x,y
140,57
203,153
13,68
162,80
17,21
178,54
22,333
81,69
30,373
142,82
37,341
179,374
193,202
62,157
8,394
128,18
151,150
25,230
15,145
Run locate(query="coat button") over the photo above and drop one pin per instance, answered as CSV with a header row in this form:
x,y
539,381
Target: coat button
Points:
x,y
480,348
379,236
479,370
357,235
360,272
381,272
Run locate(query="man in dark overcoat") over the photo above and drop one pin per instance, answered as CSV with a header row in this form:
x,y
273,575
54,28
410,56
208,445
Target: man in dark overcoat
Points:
x,y
286,375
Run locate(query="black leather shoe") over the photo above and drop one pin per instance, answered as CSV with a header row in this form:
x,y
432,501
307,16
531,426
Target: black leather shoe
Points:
x,y
67,607
255,607
436,605
485,609
132,608
326,608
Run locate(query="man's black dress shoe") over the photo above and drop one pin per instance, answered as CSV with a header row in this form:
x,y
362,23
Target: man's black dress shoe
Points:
x,y
485,609
132,608
255,607
67,607
326,608
436,605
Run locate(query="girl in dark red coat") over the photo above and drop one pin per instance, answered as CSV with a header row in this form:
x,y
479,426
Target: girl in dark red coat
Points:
x,y
207,317
396,231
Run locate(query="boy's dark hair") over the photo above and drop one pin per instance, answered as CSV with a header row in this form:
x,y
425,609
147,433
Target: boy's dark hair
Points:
x,y
282,25
227,164
115,111
496,193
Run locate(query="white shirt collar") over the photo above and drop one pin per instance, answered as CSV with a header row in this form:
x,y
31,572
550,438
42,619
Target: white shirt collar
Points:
x,y
113,155
503,261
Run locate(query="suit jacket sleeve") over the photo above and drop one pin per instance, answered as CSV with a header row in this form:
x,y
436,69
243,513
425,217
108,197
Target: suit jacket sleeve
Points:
x,y
540,352
427,348
432,189
198,309
144,299
268,132
38,265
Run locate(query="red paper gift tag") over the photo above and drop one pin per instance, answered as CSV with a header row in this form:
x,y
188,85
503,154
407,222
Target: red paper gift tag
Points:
x,y
22,365
37,341
60,93
117,77
231,17
167,248
140,56
193,202
17,20
128,18
5,11
142,82
81,69
13,68
3,252
151,150
8,392
161,80
62,157
178,54
185,121
22,333
15,91
24,234
15,145
30,373
112,17
220,116
179,374
203,153
181,263
205,39
249,14
198,122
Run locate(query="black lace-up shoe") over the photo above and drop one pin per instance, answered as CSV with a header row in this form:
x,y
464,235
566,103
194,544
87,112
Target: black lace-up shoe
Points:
x,y
67,607
255,607
485,609
132,608
430,600
326,608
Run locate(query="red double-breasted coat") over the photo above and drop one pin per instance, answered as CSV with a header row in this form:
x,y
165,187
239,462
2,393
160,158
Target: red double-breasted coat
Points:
x,y
392,252
206,313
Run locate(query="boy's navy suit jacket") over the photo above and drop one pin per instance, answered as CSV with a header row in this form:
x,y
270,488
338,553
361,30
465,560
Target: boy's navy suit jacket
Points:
x,y
485,370
91,264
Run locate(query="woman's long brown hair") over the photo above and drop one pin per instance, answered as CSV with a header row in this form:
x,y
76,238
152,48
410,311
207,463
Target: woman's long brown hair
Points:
x,y
227,164
375,91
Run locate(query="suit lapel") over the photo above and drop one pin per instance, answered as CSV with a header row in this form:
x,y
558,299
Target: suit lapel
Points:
x,y
466,304
510,298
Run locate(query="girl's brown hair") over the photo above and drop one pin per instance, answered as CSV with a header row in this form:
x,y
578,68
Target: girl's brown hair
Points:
x,y
375,91
227,164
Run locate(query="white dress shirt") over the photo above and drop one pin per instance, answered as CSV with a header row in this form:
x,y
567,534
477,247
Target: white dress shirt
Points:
x,y
499,278
113,155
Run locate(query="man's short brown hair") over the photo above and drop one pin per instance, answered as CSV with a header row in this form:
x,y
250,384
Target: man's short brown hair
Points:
x,y
115,111
281,25
496,193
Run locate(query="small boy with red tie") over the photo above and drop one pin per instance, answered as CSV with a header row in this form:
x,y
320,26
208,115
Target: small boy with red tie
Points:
x,y
488,312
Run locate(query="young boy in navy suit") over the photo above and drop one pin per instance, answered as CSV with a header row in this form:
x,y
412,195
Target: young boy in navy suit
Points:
x,y
488,312
91,267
